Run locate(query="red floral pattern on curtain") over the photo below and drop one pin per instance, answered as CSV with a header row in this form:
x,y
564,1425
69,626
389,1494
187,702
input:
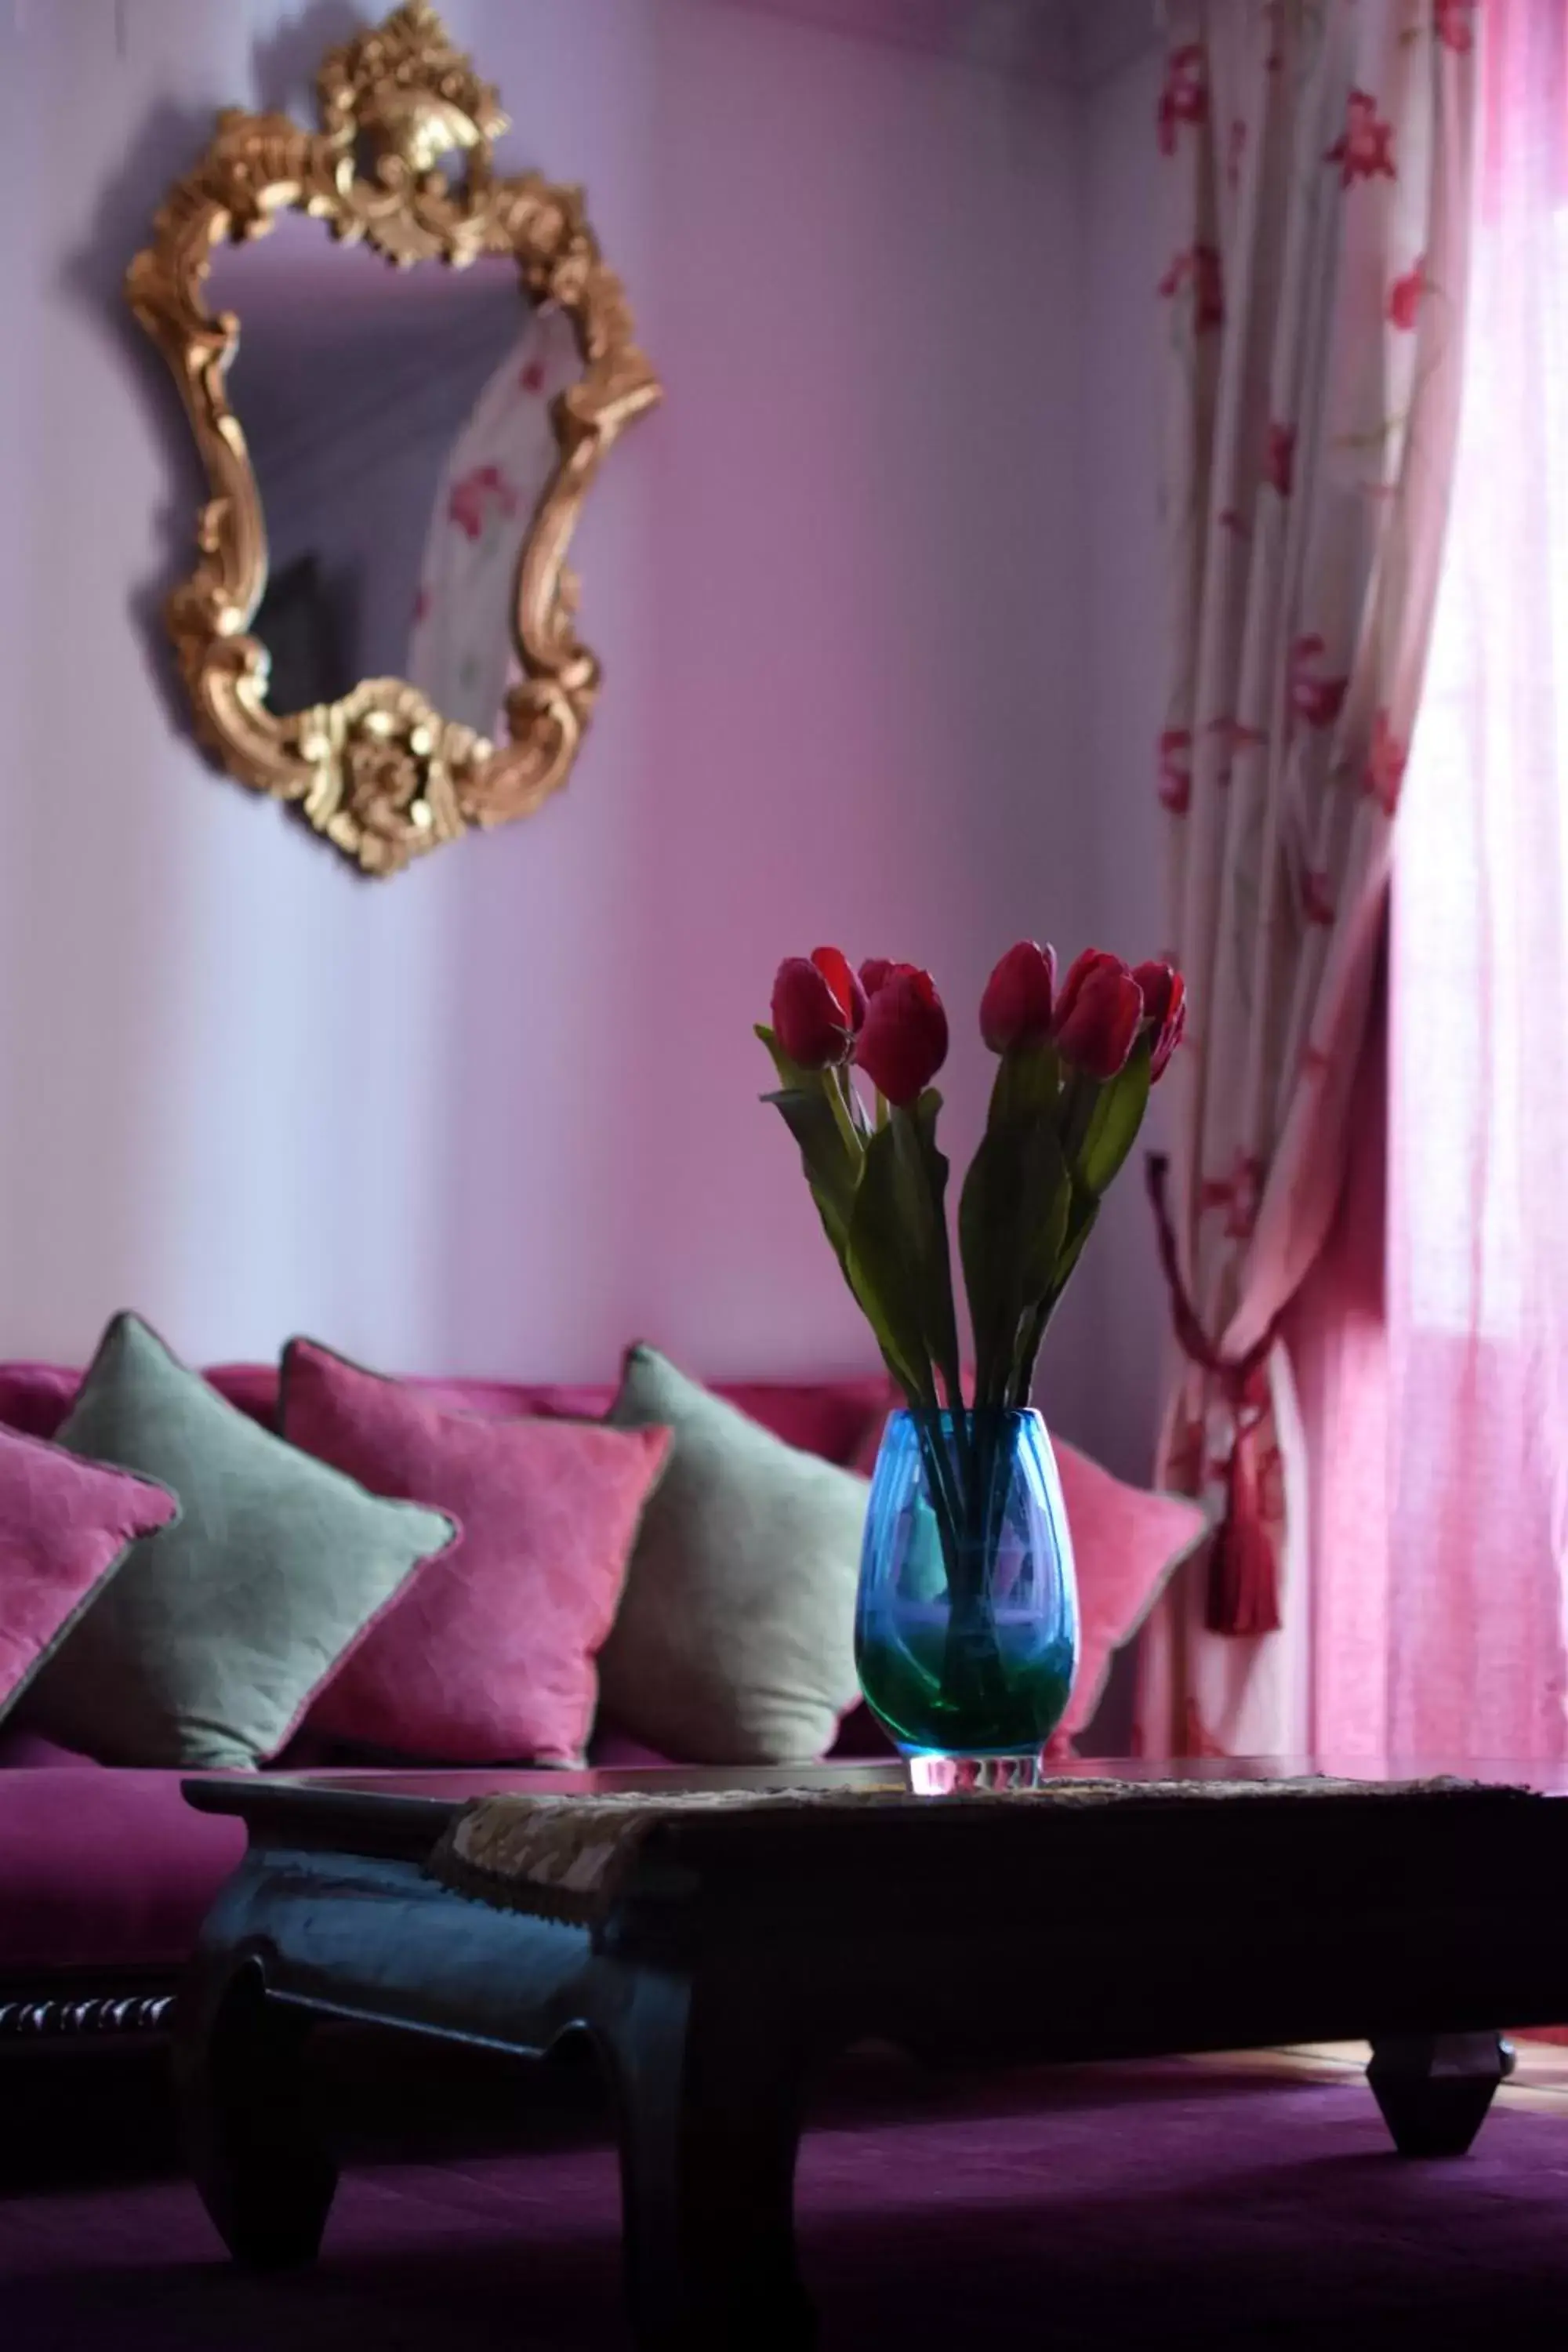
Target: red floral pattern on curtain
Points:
x,y
1318,171
460,640
475,496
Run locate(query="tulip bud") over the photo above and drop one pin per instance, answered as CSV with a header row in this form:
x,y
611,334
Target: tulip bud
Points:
x,y
1164,995
1098,1013
839,974
1015,1009
904,1041
818,1007
873,973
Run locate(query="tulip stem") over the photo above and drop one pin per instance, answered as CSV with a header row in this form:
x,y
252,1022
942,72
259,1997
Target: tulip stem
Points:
x,y
853,1099
945,1492
1081,1098
837,1087
967,1493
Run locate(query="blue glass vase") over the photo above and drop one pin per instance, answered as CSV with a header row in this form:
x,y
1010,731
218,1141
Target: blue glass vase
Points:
x,y
966,1618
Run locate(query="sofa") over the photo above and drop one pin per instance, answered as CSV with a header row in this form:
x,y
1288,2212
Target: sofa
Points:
x,y
106,1874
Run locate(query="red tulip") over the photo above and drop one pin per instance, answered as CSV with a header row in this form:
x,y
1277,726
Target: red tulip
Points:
x,y
873,973
1017,1006
904,1041
839,974
818,1007
1098,1013
1164,995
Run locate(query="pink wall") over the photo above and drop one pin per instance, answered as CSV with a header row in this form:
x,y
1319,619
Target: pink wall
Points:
x,y
849,589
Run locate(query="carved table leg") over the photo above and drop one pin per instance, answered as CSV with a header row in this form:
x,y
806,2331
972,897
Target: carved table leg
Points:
x,y
1434,2089
263,2173
708,2092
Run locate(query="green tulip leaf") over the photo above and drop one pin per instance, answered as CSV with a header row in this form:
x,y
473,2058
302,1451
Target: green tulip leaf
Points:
x,y
884,1266
790,1073
1028,1078
923,1172
1027,1349
1047,1200
830,1168
1012,1221
1113,1127
988,1218
1083,1210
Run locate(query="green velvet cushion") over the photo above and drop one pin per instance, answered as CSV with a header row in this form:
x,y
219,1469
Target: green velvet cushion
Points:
x,y
735,1639
211,1642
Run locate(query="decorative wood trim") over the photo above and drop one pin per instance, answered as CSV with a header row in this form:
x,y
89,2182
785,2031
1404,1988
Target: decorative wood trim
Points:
x,y
60,2016
383,774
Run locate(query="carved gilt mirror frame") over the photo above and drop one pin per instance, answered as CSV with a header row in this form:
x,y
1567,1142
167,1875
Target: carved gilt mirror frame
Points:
x,y
381,772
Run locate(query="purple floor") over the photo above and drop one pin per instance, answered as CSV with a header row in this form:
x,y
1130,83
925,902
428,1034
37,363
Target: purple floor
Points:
x,y
1152,2205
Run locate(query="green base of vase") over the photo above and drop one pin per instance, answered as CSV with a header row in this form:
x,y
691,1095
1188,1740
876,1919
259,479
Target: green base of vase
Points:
x,y
901,1685
920,1755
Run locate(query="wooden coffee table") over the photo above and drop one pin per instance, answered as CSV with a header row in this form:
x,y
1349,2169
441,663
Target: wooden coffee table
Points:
x,y
742,1947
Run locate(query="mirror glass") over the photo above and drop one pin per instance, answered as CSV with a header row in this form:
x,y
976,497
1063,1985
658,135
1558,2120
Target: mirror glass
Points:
x,y
398,424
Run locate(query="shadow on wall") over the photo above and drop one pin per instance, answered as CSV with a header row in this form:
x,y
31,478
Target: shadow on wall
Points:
x,y
169,144
284,64
94,953
94,280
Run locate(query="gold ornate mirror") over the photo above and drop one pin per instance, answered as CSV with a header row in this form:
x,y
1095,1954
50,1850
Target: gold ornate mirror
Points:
x,y
388,641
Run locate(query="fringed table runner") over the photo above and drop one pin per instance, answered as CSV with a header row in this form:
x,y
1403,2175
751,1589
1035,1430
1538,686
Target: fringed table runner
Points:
x,y
568,1857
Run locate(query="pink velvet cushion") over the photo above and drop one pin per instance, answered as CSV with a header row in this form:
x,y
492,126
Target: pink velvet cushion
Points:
x,y
1127,1542
66,1524
489,1657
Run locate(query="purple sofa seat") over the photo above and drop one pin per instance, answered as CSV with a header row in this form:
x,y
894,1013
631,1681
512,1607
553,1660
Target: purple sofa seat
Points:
x,y
102,1869
108,1871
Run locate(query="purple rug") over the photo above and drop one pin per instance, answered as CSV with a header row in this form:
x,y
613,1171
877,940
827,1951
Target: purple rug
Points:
x,y
1153,2204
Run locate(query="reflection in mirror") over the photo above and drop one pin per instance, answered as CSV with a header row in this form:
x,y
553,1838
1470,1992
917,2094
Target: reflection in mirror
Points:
x,y
398,422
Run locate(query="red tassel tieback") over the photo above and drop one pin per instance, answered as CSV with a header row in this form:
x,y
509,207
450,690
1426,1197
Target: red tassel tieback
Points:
x,y
1243,1596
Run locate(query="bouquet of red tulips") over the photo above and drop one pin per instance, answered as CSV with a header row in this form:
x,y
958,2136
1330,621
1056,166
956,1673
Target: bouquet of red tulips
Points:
x,y
1074,1072
1074,1069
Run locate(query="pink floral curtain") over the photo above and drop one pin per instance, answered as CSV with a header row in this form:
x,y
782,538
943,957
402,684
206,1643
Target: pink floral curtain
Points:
x,y
460,653
1443,1608
1318,194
